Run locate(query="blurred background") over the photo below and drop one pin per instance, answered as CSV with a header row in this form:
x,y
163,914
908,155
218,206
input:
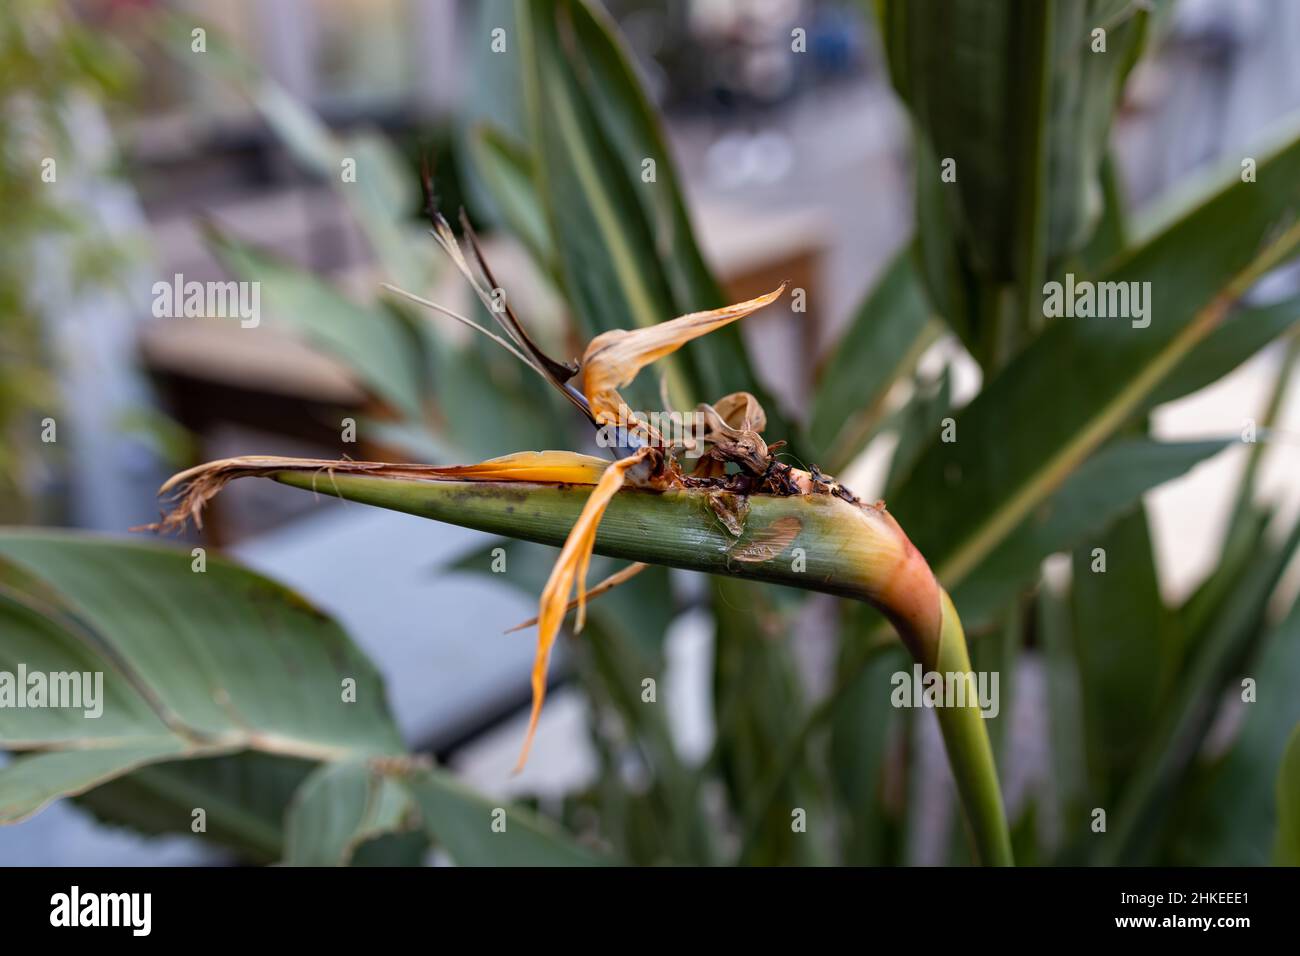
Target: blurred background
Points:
x,y
170,159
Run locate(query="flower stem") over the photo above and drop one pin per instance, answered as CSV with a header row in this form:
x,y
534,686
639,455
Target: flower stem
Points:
x,y
969,753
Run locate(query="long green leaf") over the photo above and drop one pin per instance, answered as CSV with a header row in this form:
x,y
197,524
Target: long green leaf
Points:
x,y
1098,493
753,730
634,130
1230,814
883,342
507,169
371,340
1015,96
863,728
194,663
1287,849
1191,706
1240,336
1124,647
1068,783
916,424
1094,374
606,250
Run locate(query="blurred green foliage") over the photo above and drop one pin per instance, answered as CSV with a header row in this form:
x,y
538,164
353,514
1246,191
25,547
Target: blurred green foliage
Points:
x,y
50,62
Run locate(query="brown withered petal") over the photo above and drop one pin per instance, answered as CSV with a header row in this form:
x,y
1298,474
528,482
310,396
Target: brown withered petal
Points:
x,y
570,569
741,411
613,359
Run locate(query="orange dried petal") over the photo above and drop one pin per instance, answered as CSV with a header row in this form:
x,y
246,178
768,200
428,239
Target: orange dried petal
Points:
x,y
614,358
570,569
545,466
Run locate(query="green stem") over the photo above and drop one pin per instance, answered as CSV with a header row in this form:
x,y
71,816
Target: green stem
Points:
x,y
970,754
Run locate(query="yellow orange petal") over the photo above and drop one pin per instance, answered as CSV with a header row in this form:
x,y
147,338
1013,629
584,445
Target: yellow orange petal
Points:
x,y
570,568
613,358
546,466
194,488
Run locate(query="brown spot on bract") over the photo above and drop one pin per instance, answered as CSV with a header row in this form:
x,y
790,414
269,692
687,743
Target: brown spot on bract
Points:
x,y
769,542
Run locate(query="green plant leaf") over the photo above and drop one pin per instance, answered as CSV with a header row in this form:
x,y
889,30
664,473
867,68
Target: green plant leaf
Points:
x,y
1231,813
478,831
883,342
1068,780
1247,524
634,130
382,200
496,77
1098,493
29,784
1124,646
1191,705
1111,235
606,252
370,340
244,798
915,424
1245,537
340,806
863,728
507,170
1240,336
1094,375
1014,95
755,688
194,664
1287,850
